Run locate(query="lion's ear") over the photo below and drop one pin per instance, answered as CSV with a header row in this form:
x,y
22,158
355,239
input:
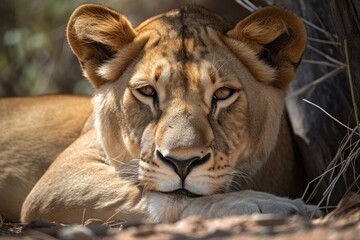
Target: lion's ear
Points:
x,y
278,37
95,34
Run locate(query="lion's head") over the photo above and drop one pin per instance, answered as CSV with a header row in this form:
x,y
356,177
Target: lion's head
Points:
x,y
195,99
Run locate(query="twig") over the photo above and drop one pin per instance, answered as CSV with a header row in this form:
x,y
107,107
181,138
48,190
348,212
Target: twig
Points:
x,y
319,178
325,63
83,217
325,55
324,41
319,20
112,216
351,85
251,4
330,168
333,118
316,82
247,5
343,164
331,37
327,34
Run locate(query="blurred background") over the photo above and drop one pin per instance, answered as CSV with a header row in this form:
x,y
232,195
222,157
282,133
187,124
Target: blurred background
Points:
x,y
34,55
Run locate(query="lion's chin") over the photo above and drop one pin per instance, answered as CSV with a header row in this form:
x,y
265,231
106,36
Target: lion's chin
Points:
x,y
183,192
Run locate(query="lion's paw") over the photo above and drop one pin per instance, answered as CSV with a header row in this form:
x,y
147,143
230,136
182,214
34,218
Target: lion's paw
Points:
x,y
248,202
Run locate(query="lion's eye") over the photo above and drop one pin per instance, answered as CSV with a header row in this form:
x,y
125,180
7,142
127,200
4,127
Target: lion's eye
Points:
x,y
147,91
223,93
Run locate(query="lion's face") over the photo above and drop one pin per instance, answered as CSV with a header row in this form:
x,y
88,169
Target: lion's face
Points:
x,y
187,120
195,103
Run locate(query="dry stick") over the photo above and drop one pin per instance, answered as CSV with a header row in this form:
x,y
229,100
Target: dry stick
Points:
x,y
329,168
112,216
326,207
323,26
316,82
324,63
328,34
351,85
350,146
324,41
333,182
344,166
320,178
325,55
83,217
250,4
245,4
333,118
319,20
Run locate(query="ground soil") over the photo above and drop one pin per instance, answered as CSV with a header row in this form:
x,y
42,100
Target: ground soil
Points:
x,y
342,223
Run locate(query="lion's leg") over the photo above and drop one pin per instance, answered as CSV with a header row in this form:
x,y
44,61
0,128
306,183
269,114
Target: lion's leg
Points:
x,y
79,184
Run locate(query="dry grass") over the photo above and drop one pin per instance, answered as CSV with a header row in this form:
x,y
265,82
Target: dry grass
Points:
x,y
9,228
344,162
339,164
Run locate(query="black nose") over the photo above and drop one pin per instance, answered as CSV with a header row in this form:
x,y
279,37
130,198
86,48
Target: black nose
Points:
x,y
183,167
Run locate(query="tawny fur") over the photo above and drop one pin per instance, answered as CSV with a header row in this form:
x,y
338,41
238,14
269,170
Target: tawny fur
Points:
x,y
111,170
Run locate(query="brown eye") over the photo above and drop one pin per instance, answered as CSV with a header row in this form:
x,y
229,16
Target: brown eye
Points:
x,y
223,93
147,91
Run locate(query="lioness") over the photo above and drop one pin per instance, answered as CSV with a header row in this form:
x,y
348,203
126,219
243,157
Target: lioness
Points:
x,y
188,114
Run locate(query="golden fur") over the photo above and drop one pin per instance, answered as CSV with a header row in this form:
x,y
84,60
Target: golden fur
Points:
x,y
186,105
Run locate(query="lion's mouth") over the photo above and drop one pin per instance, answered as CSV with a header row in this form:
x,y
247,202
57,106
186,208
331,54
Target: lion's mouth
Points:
x,y
184,192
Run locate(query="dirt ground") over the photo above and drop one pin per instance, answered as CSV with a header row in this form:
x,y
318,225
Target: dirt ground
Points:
x,y
342,223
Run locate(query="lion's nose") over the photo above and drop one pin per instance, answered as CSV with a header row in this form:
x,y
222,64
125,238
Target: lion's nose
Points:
x,y
183,167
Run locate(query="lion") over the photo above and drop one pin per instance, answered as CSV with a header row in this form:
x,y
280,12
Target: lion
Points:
x,y
188,119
